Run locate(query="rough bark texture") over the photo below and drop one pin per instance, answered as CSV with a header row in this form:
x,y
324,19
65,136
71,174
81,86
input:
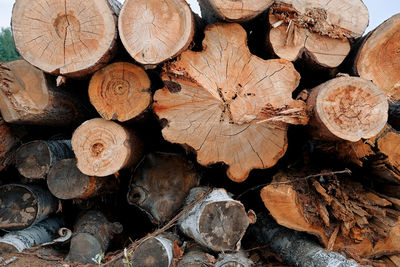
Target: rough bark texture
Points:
x,y
154,31
231,10
196,257
69,38
160,185
29,96
295,248
104,147
23,206
34,159
347,108
66,181
120,91
341,213
92,235
238,259
228,105
217,221
319,29
9,141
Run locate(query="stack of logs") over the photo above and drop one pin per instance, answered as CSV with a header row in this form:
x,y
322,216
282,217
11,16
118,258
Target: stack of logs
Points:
x,y
129,124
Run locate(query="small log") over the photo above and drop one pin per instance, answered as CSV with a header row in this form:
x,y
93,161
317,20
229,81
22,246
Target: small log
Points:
x,y
67,38
342,214
154,31
295,248
320,30
34,159
120,91
42,232
104,147
29,96
196,257
217,221
229,105
66,181
229,10
22,206
347,108
160,185
92,235
154,251
8,144
238,259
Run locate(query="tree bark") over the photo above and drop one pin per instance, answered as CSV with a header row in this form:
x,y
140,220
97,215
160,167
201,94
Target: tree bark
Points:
x,y
160,185
9,141
217,222
65,181
104,147
23,206
68,38
120,91
29,96
196,257
229,10
347,108
153,31
340,213
92,235
228,105
238,259
37,234
295,248
320,30
34,159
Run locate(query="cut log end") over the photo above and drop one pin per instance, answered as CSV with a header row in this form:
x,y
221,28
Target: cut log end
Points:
x,y
348,108
104,147
120,91
229,105
69,38
154,251
164,29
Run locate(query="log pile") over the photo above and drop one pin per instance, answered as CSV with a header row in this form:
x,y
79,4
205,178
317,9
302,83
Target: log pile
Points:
x,y
156,135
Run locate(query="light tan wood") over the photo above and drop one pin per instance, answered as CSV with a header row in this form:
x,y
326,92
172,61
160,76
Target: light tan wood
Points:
x,y
232,10
154,31
321,29
228,105
378,57
347,108
71,37
29,96
340,212
120,91
104,147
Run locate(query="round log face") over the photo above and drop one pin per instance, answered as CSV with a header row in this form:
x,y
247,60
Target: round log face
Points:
x,y
33,160
243,10
150,253
84,247
227,104
120,91
153,31
64,37
378,59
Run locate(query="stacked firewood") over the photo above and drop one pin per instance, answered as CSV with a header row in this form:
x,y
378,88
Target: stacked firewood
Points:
x,y
261,131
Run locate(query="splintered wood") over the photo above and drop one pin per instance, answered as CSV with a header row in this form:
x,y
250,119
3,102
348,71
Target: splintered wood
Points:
x,y
229,105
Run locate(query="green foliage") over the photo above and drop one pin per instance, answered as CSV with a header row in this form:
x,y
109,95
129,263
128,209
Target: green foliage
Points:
x,y
7,46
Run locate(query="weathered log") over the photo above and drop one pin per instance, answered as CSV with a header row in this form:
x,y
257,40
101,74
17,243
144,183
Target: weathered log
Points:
x,y
9,142
29,96
104,147
153,31
40,233
230,10
217,221
228,105
347,108
294,247
321,30
70,38
342,214
238,259
120,91
160,185
92,235
66,181
195,256
22,206
34,159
